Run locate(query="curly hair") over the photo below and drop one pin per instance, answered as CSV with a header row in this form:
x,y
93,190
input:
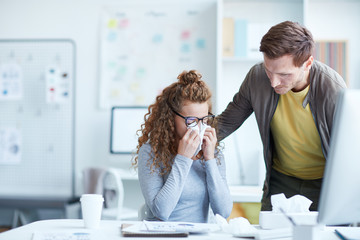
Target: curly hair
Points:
x,y
159,127
288,38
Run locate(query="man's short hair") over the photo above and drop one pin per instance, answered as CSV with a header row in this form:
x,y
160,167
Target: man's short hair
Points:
x,y
288,38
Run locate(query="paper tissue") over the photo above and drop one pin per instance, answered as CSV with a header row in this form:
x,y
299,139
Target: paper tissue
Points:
x,y
296,207
241,227
237,226
201,132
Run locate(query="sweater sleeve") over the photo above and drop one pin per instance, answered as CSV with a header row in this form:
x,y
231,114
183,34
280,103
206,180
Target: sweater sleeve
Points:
x,y
219,193
162,196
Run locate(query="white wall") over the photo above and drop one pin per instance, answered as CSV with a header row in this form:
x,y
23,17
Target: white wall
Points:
x,y
338,20
77,20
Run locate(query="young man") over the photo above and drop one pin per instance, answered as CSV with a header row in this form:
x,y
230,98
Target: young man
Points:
x,y
293,98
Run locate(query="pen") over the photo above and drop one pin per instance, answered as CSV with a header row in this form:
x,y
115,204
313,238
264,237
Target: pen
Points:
x,y
186,224
288,217
340,235
147,227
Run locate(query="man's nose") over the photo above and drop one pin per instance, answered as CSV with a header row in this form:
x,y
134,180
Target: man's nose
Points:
x,y
274,81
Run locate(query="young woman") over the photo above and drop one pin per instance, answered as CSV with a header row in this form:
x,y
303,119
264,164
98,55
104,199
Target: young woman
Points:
x,y
181,169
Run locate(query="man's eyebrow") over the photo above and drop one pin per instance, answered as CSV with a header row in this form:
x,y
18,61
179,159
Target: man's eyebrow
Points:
x,y
282,73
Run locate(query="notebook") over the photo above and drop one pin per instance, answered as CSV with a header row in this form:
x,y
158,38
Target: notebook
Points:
x,y
133,230
61,236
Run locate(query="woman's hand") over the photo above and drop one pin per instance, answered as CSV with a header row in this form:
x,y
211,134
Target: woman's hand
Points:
x,y
209,143
189,143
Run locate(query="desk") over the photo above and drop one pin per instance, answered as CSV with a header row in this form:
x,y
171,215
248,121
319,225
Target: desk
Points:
x,y
109,230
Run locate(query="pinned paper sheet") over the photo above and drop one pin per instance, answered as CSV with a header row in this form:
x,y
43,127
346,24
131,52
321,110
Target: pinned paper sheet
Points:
x,y
10,146
58,85
11,82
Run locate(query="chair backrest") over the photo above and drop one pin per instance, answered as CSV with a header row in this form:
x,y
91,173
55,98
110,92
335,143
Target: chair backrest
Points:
x,y
142,213
91,180
113,191
108,182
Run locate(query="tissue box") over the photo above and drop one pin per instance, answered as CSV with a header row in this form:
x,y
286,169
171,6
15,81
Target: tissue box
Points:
x,y
271,220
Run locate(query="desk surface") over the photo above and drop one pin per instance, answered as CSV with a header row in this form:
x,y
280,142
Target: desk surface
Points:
x,y
109,230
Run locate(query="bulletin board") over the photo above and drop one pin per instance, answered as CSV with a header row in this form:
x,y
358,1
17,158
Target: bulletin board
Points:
x,y
144,47
37,118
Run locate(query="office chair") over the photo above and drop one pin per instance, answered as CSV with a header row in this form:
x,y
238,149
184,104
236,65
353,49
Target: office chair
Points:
x,y
113,193
108,183
142,213
90,180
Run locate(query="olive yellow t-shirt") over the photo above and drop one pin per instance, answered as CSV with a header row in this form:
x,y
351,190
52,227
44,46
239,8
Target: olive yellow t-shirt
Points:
x,y
297,142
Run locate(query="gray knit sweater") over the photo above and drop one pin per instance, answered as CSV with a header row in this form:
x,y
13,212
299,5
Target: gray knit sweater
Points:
x,y
186,192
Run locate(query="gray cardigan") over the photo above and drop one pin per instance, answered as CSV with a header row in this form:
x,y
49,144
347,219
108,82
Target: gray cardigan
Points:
x,y
185,193
256,95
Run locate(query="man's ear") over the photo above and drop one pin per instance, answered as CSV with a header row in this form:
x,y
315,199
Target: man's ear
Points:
x,y
308,63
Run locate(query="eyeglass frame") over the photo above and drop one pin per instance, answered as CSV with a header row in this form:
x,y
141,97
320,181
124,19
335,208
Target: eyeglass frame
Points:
x,y
198,119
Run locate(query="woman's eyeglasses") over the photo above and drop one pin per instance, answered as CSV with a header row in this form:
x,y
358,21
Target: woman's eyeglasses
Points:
x,y
193,121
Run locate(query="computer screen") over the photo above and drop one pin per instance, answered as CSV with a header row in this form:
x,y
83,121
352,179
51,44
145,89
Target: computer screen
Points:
x,y
340,193
125,121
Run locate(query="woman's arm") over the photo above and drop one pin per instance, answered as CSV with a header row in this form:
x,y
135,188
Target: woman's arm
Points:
x,y
162,196
219,193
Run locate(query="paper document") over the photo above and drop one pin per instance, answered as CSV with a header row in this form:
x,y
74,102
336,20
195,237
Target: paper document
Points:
x,y
266,233
61,236
155,226
134,230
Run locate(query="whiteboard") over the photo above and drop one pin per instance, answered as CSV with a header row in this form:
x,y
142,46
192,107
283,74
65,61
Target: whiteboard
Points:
x,y
125,121
144,47
37,118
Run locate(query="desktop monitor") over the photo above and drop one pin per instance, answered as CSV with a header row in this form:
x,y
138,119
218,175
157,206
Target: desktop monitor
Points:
x,y
125,121
340,193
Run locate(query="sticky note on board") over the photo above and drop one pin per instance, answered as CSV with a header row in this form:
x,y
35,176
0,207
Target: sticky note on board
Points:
x,y
200,43
185,35
112,23
157,38
124,23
